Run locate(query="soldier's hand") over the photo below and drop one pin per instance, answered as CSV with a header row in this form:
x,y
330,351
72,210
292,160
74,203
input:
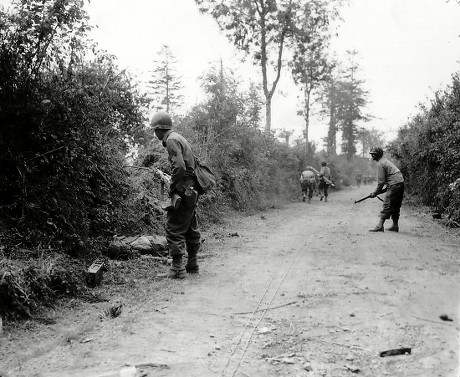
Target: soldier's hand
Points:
x,y
372,195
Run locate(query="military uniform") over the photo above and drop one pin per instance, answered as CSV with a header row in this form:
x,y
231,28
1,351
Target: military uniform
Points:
x,y
307,184
181,225
388,174
325,172
390,177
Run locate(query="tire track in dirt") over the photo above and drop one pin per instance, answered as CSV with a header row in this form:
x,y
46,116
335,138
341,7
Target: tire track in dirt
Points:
x,y
301,290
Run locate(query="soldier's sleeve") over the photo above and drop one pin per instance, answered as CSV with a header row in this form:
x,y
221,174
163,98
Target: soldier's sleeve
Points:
x,y
177,161
381,179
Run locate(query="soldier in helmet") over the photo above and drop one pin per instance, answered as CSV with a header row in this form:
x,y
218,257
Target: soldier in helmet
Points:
x,y
181,226
391,181
307,183
325,180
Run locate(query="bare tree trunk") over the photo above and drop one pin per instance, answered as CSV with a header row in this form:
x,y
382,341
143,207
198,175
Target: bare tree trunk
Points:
x,y
268,116
307,118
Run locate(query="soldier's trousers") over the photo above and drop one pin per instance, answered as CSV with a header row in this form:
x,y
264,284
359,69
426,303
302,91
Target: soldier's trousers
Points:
x,y
182,228
392,203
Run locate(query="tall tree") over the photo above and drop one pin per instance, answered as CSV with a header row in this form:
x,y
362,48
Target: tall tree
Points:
x,y
310,67
253,105
355,101
285,134
331,98
263,29
368,139
165,85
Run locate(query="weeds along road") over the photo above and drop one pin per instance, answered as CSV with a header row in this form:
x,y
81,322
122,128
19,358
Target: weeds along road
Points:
x,y
300,290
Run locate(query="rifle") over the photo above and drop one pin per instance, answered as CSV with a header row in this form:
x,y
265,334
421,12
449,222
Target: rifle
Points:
x,y
328,181
367,197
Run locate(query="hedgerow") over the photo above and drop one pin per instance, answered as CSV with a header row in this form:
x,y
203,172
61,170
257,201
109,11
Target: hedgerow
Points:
x,y
427,148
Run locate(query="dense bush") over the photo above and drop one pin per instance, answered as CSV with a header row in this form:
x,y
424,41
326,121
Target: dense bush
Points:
x,y
428,150
64,122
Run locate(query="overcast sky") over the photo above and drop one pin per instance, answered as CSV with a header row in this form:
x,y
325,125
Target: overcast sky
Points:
x,y
408,49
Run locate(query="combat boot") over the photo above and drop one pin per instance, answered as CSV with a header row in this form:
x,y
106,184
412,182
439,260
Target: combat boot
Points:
x,y
378,227
177,270
192,258
394,227
192,264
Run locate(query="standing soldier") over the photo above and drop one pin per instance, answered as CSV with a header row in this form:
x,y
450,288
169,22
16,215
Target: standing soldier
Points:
x,y
324,180
358,178
181,225
390,176
307,183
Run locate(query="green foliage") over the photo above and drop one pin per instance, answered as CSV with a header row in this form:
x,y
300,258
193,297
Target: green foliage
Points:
x,y
427,148
66,123
264,29
343,99
25,287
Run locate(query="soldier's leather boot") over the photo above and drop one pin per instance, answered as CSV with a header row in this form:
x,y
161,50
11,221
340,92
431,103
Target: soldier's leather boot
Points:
x,y
378,227
394,227
192,263
177,270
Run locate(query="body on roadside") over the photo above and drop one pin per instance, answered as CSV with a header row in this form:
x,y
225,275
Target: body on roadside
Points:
x,y
181,225
391,181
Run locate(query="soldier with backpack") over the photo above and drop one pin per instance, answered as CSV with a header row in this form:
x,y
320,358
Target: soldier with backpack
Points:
x,y
181,226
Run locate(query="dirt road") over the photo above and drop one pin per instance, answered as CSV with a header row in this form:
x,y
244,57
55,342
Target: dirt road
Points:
x,y
301,290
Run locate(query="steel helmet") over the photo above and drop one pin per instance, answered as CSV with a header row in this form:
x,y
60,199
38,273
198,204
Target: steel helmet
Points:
x,y
377,151
161,120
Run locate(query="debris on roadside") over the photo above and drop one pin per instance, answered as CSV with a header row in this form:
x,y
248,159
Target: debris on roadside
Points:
x,y
94,273
264,330
128,371
112,312
85,340
352,368
397,351
445,317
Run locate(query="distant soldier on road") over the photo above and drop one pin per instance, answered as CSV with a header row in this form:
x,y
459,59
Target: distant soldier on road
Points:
x,y
307,183
181,225
325,180
391,181
359,177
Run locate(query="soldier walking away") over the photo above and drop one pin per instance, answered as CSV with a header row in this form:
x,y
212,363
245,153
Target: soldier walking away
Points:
x,y
391,181
325,180
359,177
307,183
181,226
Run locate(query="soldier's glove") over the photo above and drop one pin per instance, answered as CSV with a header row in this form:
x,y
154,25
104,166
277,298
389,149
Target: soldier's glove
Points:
x,y
372,195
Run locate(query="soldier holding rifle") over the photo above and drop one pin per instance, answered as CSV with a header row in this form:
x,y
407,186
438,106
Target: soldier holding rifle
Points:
x,y
391,181
325,179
